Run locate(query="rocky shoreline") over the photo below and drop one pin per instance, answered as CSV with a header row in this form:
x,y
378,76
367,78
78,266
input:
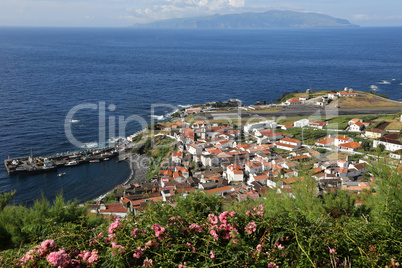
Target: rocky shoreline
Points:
x,y
139,168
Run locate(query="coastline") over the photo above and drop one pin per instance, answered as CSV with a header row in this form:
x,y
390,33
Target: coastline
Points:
x,y
138,172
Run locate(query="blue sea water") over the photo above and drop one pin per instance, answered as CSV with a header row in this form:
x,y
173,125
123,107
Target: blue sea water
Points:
x,y
46,72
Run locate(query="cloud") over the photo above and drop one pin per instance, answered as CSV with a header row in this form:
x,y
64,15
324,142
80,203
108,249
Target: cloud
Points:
x,y
365,17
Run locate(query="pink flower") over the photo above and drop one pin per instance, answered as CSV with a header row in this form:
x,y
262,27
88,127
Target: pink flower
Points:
x,y
280,246
259,248
248,213
114,225
213,219
189,244
332,251
183,265
215,235
232,214
272,265
212,254
58,259
48,244
138,252
195,227
28,256
89,257
159,230
148,263
134,232
251,227
222,217
118,249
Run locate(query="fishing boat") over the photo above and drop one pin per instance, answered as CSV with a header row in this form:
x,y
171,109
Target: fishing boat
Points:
x,y
71,163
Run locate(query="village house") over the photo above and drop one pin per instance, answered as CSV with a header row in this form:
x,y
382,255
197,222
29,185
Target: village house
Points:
x,y
332,95
396,154
288,144
356,127
261,178
341,139
349,146
356,187
253,167
347,94
318,125
287,127
392,142
301,123
234,173
354,121
327,141
293,101
192,110
249,128
322,101
374,133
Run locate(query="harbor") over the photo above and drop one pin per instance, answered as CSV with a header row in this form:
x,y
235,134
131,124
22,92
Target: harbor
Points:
x,y
36,165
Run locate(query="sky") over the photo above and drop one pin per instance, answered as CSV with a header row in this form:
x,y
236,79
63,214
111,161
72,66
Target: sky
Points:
x,y
123,13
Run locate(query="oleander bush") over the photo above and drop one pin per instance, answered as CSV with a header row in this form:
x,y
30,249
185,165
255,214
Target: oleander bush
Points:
x,y
203,231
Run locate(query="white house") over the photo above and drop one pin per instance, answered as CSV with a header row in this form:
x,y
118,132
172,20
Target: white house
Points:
x,y
391,142
288,144
396,154
293,101
259,178
260,125
253,167
332,96
349,146
194,149
301,123
234,173
356,127
342,139
315,124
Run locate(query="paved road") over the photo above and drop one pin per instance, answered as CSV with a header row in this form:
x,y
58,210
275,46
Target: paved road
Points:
x,y
295,111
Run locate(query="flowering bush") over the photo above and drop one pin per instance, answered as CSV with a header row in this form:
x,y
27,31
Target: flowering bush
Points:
x,y
202,232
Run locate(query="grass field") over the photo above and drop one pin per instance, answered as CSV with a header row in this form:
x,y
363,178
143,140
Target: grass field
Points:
x,y
365,101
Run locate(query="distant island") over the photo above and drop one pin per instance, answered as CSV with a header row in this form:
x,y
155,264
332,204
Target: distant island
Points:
x,y
251,20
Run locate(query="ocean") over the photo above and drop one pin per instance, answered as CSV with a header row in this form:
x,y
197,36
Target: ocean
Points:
x,y
136,74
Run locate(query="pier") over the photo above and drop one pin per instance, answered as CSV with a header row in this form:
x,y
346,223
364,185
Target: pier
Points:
x,y
36,165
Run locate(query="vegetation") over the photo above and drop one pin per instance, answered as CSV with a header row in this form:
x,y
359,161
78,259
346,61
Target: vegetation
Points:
x,y
203,231
377,94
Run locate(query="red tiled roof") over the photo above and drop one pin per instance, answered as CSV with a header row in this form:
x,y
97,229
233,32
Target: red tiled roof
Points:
x,y
290,140
114,208
351,145
220,189
326,140
293,100
343,138
285,145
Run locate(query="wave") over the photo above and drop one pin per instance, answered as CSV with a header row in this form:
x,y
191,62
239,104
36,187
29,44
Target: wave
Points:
x,y
184,106
158,117
384,82
74,121
90,145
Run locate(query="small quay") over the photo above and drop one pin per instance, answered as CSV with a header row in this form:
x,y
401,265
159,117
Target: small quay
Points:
x,y
30,165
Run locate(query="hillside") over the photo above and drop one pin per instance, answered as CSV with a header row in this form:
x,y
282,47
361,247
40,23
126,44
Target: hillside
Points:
x,y
250,20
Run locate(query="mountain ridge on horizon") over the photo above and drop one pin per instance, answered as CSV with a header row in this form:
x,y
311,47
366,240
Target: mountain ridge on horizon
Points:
x,y
252,20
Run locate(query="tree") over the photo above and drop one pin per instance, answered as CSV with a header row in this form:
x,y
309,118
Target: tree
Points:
x,y
366,145
5,199
381,147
